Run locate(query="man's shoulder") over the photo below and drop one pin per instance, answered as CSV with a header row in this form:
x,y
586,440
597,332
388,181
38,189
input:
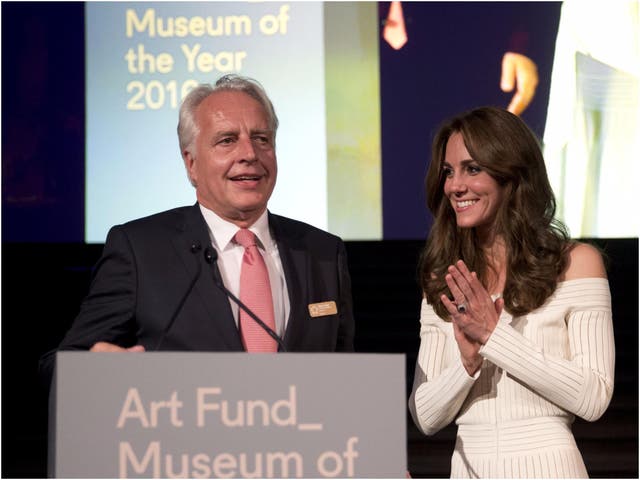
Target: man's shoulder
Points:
x,y
167,216
175,219
300,235
291,229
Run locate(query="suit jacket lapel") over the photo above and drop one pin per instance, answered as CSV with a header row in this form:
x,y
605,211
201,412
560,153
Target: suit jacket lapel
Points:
x,y
294,260
190,243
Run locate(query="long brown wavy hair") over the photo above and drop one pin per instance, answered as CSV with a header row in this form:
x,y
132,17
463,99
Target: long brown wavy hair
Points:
x,y
536,243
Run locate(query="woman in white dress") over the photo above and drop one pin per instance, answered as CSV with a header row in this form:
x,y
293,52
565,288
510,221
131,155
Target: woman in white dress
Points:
x,y
515,328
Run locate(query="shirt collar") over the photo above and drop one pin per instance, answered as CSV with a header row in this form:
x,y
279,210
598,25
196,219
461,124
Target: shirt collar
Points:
x,y
222,232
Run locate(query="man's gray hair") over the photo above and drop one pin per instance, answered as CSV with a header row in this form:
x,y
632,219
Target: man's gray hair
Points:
x,y
187,126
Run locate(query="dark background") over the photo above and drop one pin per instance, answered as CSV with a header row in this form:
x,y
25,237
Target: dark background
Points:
x,y
451,63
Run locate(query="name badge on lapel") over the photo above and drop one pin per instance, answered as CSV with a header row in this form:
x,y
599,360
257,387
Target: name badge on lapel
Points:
x,y
322,309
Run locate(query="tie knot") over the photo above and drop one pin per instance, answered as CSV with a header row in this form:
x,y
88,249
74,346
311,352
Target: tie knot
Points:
x,y
245,237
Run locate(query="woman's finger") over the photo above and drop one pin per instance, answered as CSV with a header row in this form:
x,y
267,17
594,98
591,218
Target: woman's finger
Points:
x,y
456,292
462,283
449,305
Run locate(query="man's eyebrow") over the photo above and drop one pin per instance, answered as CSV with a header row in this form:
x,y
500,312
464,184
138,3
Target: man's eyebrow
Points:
x,y
264,131
224,133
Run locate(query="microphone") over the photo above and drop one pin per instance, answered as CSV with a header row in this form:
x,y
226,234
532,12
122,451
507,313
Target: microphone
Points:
x,y
211,256
194,248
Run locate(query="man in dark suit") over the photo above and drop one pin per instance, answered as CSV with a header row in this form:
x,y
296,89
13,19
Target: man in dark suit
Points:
x,y
158,284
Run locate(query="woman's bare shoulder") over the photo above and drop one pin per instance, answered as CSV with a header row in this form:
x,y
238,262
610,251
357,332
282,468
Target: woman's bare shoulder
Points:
x,y
585,261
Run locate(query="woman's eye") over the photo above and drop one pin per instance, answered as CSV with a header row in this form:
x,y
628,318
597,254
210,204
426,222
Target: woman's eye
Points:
x,y
447,172
474,169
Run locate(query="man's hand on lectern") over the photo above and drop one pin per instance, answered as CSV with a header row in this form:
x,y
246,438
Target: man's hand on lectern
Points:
x,y
111,347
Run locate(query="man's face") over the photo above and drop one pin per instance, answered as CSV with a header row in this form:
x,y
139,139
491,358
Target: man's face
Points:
x,y
232,160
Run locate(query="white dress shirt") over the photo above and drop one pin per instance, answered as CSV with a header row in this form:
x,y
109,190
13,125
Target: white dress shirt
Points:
x,y
230,255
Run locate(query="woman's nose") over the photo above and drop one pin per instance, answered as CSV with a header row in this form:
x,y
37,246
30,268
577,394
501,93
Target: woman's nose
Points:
x,y
457,184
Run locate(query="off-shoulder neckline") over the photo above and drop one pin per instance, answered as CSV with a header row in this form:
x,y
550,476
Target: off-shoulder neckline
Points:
x,y
495,296
584,279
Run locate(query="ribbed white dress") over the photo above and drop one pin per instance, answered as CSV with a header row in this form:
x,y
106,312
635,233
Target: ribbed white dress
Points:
x,y
514,415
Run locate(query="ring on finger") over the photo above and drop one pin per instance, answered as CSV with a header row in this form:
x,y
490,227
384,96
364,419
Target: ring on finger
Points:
x,y
461,307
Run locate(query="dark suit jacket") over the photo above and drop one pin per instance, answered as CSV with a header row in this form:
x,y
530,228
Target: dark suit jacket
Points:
x,y
147,268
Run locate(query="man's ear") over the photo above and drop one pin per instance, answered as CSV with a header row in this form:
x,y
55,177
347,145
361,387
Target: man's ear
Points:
x,y
190,165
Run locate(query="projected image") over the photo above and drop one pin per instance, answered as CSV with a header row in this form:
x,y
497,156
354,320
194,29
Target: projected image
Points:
x,y
359,88
142,59
592,135
571,70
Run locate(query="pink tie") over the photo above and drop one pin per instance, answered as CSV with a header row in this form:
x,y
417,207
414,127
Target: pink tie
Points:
x,y
255,293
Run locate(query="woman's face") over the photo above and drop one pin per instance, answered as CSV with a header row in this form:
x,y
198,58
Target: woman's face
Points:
x,y
475,196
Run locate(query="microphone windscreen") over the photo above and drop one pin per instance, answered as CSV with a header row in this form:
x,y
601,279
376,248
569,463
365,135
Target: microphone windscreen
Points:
x,y
210,255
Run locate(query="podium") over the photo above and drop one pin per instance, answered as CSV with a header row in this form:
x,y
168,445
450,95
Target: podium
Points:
x,y
228,415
